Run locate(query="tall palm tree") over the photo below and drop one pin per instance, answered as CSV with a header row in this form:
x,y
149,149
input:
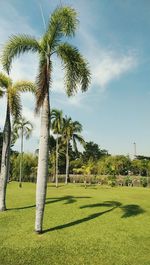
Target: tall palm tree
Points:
x,y
71,132
62,23
56,125
12,93
23,128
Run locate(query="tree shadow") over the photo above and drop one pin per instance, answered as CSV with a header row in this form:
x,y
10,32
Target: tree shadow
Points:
x,y
76,222
67,200
104,204
129,210
113,204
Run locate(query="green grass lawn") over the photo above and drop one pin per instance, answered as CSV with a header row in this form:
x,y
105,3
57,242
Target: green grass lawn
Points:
x,y
93,226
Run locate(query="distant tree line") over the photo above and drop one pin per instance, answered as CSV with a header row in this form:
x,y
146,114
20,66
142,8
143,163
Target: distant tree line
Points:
x,y
93,165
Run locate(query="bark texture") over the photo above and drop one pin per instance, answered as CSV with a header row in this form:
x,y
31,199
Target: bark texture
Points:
x,y
4,175
21,160
67,162
42,173
57,162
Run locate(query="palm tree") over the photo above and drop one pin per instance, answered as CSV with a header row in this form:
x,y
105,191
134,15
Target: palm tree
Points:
x,y
24,128
70,132
57,122
62,23
12,93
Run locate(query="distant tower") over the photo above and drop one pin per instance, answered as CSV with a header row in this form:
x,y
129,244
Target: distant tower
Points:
x,y
134,146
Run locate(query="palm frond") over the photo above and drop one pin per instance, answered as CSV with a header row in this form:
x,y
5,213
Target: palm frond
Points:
x,y
57,120
77,126
25,86
14,102
79,138
76,68
67,128
14,134
75,145
63,22
28,131
5,81
23,124
16,45
1,93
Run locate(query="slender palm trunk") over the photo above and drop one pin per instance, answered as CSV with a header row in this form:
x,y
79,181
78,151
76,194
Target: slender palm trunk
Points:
x,y
67,162
5,160
21,159
42,173
57,162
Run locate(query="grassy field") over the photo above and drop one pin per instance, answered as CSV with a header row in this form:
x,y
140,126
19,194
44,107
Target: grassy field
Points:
x,y
93,226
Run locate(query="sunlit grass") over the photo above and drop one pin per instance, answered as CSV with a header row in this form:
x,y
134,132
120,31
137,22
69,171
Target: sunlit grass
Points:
x,y
93,226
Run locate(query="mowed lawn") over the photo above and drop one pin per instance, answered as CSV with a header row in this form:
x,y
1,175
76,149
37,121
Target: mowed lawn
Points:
x,y
93,226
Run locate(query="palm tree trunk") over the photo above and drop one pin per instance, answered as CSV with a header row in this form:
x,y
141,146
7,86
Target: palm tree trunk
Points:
x,y
5,160
67,162
21,160
42,173
57,162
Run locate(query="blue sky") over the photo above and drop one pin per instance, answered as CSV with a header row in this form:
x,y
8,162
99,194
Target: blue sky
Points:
x,y
114,36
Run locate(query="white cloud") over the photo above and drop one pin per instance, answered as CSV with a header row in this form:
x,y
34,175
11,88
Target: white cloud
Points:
x,y
106,64
75,100
24,68
110,66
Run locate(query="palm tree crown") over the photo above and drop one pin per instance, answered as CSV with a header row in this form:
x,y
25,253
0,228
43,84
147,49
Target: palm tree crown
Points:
x,y
56,121
71,132
23,125
12,92
62,23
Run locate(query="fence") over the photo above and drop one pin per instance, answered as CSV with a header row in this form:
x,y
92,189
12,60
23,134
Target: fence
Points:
x,y
136,181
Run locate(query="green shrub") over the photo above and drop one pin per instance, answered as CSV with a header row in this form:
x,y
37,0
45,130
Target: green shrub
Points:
x,y
143,181
128,181
29,167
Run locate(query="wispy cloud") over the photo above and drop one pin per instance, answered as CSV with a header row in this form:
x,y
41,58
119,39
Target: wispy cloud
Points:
x,y
110,66
106,64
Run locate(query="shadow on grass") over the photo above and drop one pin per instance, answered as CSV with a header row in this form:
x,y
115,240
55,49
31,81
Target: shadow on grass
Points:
x,y
113,204
67,200
129,210
76,222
